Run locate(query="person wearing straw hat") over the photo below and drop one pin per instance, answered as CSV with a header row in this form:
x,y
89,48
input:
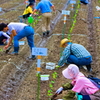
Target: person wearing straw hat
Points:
x,y
80,84
75,54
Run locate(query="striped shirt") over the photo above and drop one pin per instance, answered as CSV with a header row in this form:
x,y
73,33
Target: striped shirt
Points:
x,y
75,49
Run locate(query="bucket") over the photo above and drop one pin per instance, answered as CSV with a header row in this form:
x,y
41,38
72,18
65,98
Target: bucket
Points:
x,y
50,65
44,77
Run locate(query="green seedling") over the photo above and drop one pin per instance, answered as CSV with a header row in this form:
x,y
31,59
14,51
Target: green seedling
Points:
x,y
39,17
1,50
74,21
52,81
50,92
54,75
69,36
50,85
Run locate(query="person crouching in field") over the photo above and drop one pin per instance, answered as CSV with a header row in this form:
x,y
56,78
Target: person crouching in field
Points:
x,y
80,84
74,53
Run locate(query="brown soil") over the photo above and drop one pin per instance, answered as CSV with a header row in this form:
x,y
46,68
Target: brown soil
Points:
x,y
24,81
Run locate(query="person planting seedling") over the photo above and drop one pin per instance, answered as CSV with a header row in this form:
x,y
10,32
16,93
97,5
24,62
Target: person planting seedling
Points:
x,y
80,84
75,54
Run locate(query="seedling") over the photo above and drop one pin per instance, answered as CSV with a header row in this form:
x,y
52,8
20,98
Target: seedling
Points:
x,y
49,93
50,85
74,20
54,75
1,50
52,81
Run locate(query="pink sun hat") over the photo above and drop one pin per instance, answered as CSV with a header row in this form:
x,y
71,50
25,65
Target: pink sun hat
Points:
x,y
71,71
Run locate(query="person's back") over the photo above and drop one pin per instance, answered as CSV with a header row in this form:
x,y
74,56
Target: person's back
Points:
x,y
16,26
27,10
44,6
86,86
79,50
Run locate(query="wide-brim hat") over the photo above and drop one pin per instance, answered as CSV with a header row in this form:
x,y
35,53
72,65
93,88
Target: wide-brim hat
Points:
x,y
63,41
71,71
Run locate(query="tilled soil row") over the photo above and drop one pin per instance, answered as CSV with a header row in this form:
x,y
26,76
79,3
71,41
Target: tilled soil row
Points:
x,y
92,37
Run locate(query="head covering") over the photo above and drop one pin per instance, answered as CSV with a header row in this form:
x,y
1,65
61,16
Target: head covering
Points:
x,y
63,41
71,71
31,3
2,26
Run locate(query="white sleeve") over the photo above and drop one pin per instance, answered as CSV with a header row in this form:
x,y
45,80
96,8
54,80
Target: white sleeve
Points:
x,y
7,36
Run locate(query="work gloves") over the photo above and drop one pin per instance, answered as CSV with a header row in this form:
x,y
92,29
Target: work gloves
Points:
x,y
67,86
59,90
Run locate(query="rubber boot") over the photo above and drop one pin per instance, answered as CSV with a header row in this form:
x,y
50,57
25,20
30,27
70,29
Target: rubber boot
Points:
x,y
44,34
89,67
48,33
15,52
32,57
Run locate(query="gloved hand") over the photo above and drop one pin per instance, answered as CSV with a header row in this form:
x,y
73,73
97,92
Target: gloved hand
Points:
x,y
59,90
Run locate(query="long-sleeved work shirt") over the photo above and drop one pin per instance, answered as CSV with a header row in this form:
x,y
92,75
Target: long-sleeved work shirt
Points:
x,y
75,49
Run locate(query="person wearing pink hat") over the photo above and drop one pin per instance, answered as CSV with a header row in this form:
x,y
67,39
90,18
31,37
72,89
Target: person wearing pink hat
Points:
x,y
80,84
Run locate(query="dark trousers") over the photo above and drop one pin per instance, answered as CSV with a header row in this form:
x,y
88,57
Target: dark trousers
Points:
x,y
26,16
85,97
1,39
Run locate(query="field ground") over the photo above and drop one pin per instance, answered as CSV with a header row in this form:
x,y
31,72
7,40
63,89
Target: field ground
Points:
x,y
18,80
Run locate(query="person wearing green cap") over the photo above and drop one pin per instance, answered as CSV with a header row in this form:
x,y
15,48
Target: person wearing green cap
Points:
x,y
45,8
18,31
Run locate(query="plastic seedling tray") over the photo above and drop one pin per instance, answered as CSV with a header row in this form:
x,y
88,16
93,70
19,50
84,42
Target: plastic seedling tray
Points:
x,y
44,77
50,65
